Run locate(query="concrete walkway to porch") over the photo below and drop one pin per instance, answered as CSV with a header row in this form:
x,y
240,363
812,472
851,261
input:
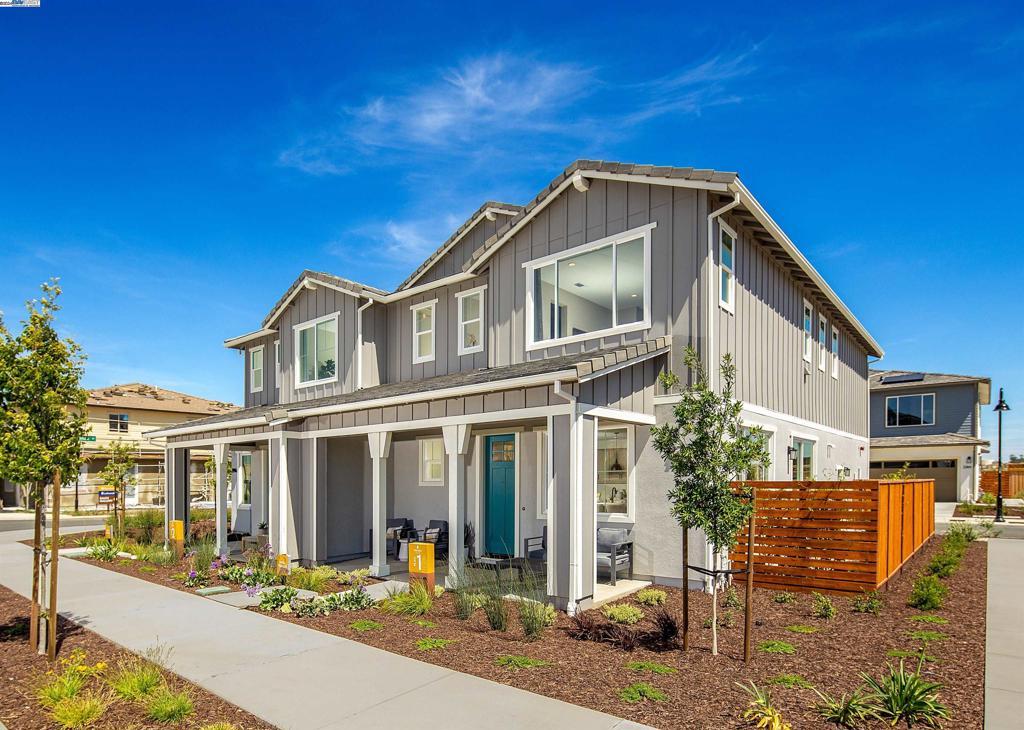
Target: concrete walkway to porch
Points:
x,y
290,676
1004,640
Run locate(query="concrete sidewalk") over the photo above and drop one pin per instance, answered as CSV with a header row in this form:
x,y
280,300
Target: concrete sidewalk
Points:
x,y
288,675
1004,639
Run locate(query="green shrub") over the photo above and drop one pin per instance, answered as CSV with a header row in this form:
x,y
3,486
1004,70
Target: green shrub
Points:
x,y
760,710
927,594
868,602
515,662
654,667
907,697
168,706
134,679
847,711
651,597
466,602
928,618
162,557
622,613
496,610
416,601
80,711
906,654
776,647
986,498
726,620
534,617
928,636
424,624
640,691
944,563
962,532
358,577
202,553
790,681
430,644
354,599
731,598
276,599
784,597
313,579
802,629
63,686
822,607
105,551
364,624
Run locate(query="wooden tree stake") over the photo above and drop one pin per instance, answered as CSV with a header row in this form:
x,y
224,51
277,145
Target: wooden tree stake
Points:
x,y
37,554
747,615
51,644
686,589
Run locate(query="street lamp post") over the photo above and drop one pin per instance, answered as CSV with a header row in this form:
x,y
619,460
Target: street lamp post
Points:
x,y
1001,406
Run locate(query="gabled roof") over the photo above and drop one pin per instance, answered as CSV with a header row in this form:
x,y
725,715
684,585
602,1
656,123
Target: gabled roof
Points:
x,y
939,439
578,366
489,208
877,376
141,396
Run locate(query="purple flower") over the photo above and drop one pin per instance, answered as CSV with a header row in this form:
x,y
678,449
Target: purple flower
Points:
x,y
192,574
251,591
247,571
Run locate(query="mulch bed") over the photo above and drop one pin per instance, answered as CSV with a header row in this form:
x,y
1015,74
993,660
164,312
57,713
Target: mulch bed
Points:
x,y
703,693
986,510
21,670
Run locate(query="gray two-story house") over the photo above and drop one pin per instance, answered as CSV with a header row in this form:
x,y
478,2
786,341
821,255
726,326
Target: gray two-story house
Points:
x,y
929,423
511,382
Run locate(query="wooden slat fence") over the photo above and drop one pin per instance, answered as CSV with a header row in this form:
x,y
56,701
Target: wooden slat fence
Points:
x,y
836,537
1013,482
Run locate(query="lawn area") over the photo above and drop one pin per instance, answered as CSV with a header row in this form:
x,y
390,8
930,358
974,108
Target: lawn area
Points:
x,y
635,668
100,666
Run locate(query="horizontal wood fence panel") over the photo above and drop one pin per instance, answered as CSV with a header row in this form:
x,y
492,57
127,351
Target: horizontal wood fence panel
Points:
x,y
1013,481
836,537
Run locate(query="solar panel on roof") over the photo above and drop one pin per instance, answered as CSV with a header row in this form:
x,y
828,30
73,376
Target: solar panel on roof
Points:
x,y
904,378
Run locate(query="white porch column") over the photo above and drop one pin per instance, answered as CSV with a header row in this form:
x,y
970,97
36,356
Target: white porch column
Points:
x,y
283,494
456,446
236,487
380,447
220,456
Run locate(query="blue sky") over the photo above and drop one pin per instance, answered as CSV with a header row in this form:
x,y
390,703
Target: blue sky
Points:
x,y
178,164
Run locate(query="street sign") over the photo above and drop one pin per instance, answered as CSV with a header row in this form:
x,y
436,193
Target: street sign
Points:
x,y
86,438
421,563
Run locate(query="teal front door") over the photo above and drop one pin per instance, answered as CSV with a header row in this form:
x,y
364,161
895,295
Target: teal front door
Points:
x,y
500,495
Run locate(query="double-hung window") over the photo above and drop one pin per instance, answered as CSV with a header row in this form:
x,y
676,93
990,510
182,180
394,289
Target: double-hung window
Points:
x,y
808,330
246,466
910,410
256,369
758,471
835,353
277,364
594,290
431,462
118,422
423,331
316,351
543,474
614,473
727,268
802,459
471,320
822,342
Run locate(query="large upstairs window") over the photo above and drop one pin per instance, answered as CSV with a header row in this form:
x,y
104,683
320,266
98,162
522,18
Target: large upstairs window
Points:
x,y
316,351
594,290
910,410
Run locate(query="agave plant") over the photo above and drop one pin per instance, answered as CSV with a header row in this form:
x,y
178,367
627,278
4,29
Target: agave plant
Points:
x,y
907,696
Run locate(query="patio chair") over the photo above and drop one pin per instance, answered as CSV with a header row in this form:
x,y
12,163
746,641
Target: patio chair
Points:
x,y
396,528
436,532
614,551
535,551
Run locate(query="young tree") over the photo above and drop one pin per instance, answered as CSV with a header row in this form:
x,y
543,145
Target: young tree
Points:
x,y
42,419
119,474
707,447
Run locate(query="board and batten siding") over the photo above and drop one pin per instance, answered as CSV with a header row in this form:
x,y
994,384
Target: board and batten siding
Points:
x,y
268,395
446,335
765,337
575,218
453,260
955,407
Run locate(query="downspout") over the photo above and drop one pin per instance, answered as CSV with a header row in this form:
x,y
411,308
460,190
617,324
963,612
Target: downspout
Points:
x,y
575,509
710,364
359,344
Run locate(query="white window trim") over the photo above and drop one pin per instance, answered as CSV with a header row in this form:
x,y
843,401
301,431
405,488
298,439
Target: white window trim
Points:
x,y
630,516
834,349
808,337
531,266
794,436
461,296
263,369
425,481
413,308
728,306
542,464
277,364
935,410
296,329
772,431
822,341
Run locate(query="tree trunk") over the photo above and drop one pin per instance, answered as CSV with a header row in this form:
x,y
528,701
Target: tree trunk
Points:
x,y
51,644
37,550
715,562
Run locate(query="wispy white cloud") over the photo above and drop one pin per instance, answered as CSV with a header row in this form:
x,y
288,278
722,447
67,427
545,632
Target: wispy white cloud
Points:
x,y
403,243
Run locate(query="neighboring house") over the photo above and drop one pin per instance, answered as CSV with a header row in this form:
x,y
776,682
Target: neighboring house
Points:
x,y
125,413
512,380
930,422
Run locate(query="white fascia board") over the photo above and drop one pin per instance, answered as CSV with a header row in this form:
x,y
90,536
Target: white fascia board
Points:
x,y
779,235
488,387
182,430
242,339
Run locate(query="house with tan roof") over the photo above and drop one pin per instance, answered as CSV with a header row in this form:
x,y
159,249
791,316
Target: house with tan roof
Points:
x,y
127,412
500,401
